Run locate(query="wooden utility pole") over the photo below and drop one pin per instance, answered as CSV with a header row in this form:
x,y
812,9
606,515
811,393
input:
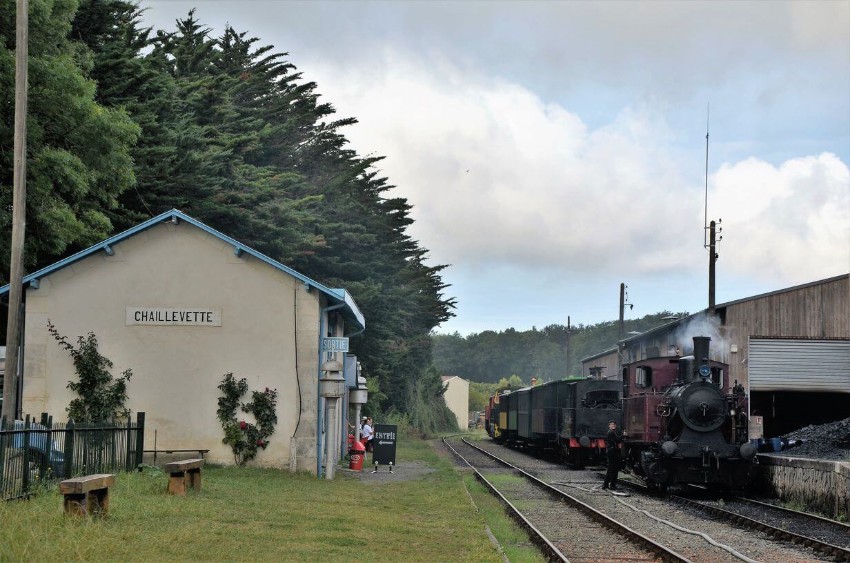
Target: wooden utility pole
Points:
x,y
569,359
19,205
712,260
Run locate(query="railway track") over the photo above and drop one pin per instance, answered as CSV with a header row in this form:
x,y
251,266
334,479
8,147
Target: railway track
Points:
x,y
826,537
684,531
552,517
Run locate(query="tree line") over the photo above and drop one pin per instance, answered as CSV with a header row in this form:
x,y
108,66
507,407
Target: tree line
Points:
x,y
126,122
548,354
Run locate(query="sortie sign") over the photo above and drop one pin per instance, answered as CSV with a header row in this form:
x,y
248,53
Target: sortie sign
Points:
x,y
335,344
173,316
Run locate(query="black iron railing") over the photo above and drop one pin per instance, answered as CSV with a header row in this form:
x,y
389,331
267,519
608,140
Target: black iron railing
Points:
x,y
37,454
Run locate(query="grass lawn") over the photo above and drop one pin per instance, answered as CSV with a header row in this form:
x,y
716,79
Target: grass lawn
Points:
x,y
263,514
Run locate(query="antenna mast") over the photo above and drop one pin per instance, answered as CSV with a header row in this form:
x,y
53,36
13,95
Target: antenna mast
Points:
x,y
705,219
711,231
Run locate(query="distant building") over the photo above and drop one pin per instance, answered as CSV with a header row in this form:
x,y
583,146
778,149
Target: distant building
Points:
x,y
457,398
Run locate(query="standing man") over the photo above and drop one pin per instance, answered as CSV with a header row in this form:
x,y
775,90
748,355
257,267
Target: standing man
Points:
x,y
612,448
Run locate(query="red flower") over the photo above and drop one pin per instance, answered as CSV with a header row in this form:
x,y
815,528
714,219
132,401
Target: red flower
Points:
x,y
243,424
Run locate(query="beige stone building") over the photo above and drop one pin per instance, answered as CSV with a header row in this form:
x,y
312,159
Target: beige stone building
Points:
x,y
457,398
181,305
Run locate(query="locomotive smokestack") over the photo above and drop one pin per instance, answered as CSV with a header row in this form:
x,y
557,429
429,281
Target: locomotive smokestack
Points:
x,y
701,349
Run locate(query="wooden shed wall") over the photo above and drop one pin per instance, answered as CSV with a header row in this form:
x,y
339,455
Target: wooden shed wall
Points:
x,y
817,311
814,311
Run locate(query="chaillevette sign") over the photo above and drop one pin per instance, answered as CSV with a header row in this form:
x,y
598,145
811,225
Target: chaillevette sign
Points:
x,y
173,316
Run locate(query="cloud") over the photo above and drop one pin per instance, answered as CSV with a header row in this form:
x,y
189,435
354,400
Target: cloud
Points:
x,y
790,222
498,176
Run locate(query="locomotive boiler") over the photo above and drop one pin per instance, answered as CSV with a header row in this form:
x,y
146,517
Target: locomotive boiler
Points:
x,y
685,423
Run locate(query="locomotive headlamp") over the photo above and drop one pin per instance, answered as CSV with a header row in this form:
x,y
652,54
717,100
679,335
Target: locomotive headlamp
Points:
x,y
704,371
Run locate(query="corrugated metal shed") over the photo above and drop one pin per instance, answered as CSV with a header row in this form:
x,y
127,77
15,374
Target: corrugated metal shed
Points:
x,y
812,365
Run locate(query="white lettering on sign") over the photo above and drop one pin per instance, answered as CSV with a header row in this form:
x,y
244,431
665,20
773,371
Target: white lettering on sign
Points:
x,y
385,435
173,316
335,344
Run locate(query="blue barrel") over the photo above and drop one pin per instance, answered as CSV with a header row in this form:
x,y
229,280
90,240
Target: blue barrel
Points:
x,y
777,444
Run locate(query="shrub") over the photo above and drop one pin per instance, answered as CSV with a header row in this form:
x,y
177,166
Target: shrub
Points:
x,y
100,396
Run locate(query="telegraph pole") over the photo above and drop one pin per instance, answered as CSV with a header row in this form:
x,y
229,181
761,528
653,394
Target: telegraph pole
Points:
x,y
624,298
19,205
712,261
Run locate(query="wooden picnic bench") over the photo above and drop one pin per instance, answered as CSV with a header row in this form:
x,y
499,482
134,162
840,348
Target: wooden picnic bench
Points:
x,y
88,495
184,474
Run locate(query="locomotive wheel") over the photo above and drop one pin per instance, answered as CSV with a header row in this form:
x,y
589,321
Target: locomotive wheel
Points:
x,y
656,487
579,459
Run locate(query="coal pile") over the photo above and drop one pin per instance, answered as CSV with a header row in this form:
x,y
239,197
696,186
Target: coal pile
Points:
x,y
824,441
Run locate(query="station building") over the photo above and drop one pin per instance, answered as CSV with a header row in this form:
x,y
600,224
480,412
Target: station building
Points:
x,y
789,348
181,305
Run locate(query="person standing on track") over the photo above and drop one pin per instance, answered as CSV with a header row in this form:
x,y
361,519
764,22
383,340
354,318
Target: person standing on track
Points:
x,y
612,448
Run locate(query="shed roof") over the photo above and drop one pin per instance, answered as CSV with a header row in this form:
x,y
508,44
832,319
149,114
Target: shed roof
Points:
x,y
335,296
684,320
780,291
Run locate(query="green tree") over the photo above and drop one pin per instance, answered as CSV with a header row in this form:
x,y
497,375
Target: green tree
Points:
x,y
78,151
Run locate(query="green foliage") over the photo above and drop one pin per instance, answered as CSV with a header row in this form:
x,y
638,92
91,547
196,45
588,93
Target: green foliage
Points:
x,y
243,437
479,394
78,150
100,396
128,122
500,357
427,411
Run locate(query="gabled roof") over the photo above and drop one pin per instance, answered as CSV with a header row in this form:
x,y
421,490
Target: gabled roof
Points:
x,y
335,296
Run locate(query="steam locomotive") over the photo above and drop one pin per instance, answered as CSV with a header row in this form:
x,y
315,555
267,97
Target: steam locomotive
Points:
x,y
569,417
685,423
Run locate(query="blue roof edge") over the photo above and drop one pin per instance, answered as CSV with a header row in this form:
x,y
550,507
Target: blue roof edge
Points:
x,y
340,295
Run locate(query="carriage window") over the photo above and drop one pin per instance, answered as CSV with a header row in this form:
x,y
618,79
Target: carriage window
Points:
x,y
643,376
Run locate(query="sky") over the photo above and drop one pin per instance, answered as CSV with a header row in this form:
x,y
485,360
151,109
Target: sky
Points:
x,y
553,150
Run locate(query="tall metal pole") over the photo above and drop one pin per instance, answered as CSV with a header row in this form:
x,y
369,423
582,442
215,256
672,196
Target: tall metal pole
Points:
x,y
19,203
622,331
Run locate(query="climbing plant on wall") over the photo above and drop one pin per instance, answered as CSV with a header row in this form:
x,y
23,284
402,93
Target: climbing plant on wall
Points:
x,y
246,438
101,397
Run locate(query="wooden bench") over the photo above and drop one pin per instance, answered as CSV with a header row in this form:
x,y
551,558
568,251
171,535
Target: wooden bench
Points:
x,y
184,474
200,451
88,495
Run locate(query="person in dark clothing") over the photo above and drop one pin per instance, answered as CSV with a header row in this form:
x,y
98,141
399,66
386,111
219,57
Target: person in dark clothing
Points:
x,y
612,448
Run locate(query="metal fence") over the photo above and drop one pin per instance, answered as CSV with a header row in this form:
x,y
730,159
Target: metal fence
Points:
x,y
37,454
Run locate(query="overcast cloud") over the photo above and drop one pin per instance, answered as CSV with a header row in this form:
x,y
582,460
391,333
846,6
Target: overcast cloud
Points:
x,y
552,150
